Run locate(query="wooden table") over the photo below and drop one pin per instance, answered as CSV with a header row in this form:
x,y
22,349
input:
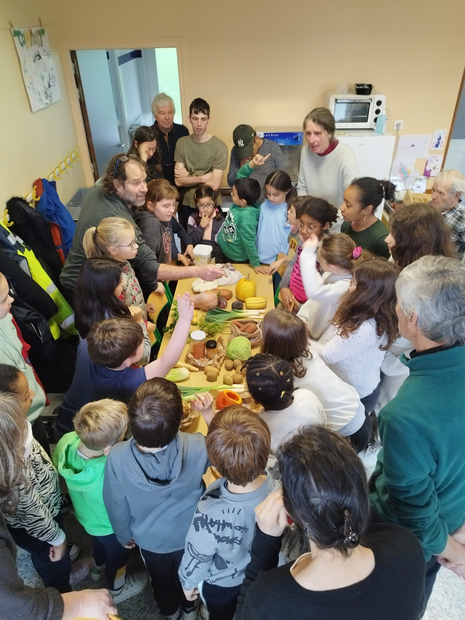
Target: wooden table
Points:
x,y
264,289
198,379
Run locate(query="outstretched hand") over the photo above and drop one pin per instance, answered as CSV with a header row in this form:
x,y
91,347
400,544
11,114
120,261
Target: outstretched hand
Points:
x,y
204,403
185,307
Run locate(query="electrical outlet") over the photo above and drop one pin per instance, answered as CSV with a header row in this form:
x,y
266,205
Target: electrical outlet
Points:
x,y
398,125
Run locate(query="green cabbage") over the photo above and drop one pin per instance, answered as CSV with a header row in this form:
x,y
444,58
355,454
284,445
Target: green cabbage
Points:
x,y
239,349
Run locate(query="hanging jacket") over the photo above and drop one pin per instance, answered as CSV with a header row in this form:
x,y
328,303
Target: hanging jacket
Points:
x,y
27,223
54,211
64,318
25,288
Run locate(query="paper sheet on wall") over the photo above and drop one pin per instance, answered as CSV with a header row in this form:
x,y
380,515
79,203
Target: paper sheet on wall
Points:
x,y
433,165
37,66
439,138
402,168
414,147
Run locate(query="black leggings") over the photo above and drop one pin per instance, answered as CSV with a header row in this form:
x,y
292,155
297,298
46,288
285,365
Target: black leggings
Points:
x,y
360,439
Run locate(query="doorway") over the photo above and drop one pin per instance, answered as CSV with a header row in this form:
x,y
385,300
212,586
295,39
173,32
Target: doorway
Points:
x,y
116,88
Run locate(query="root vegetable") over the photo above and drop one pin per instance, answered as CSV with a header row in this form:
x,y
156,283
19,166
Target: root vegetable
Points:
x,y
237,364
237,377
226,293
212,376
227,380
229,365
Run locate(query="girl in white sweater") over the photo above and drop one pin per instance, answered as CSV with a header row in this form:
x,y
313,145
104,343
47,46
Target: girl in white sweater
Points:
x,y
337,256
285,335
363,328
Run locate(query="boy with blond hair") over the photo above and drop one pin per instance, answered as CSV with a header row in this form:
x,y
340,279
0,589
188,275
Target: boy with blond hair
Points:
x,y
217,547
80,458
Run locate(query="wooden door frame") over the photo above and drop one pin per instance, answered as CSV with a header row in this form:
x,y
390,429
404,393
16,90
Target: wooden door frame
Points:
x,y
457,104
73,45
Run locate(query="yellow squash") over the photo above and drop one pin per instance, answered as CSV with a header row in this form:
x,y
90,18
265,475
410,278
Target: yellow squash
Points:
x,y
255,303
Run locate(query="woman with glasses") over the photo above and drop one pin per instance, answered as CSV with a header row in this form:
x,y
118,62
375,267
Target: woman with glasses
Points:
x,y
315,216
204,226
158,225
144,145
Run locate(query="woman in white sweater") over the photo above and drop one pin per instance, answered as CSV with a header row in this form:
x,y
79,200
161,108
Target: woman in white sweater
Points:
x,y
337,257
285,335
363,328
327,167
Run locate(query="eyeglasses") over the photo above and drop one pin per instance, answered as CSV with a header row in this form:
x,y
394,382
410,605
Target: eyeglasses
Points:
x,y
308,227
133,245
209,205
123,159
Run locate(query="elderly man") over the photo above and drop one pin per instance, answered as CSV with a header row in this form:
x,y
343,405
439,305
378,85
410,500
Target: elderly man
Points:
x,y
246,145
123,187
419,480
448,188
168,132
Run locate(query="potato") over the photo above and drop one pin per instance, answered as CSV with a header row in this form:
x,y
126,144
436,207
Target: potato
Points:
x,y
211,370
229,365
226,293
212,376
227,380
238,363
237,377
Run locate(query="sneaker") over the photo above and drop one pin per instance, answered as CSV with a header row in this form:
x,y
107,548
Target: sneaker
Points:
x,y
79,570
134,584
97,572
73,551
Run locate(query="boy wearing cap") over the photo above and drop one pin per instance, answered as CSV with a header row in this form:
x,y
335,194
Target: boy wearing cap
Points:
x,y
246,145
200,158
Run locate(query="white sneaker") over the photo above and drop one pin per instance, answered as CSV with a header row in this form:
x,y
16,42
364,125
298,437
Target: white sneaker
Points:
x,y
133,585
79,570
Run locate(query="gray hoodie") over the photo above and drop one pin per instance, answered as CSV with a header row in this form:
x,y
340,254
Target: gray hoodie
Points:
x,y
151,497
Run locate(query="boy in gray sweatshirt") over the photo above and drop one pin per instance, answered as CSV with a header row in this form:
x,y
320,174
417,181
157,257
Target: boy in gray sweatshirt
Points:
x,y
151,488
220,537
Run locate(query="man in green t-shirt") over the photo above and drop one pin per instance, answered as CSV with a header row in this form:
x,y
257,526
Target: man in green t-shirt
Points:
x,y
200,158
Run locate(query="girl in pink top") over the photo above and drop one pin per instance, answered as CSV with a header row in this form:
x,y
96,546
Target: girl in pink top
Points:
x,y
315,216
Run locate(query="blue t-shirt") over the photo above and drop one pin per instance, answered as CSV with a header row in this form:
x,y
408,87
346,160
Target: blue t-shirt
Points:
x,y
92,382
273,231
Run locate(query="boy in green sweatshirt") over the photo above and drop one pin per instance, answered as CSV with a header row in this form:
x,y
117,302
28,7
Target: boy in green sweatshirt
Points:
x,y
80,458
238,236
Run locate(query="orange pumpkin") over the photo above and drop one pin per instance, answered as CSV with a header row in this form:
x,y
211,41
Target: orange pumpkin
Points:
x,y
226,398
246,288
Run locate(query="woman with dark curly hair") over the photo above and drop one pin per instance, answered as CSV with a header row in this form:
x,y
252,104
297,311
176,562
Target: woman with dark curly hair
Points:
x,y
418,230
353,567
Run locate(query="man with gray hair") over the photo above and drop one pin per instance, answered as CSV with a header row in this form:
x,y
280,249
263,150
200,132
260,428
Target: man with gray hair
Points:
x,y
448,188
419,480
168,132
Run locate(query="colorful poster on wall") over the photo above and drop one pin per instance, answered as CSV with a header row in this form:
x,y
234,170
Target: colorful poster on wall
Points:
x,y
37,66
433,165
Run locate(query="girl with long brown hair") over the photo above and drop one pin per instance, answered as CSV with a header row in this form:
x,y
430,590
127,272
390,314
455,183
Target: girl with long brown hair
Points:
x,y
285,335
363,328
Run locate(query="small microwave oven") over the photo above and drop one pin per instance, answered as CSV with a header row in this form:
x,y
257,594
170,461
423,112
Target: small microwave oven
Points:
x,y
355,111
